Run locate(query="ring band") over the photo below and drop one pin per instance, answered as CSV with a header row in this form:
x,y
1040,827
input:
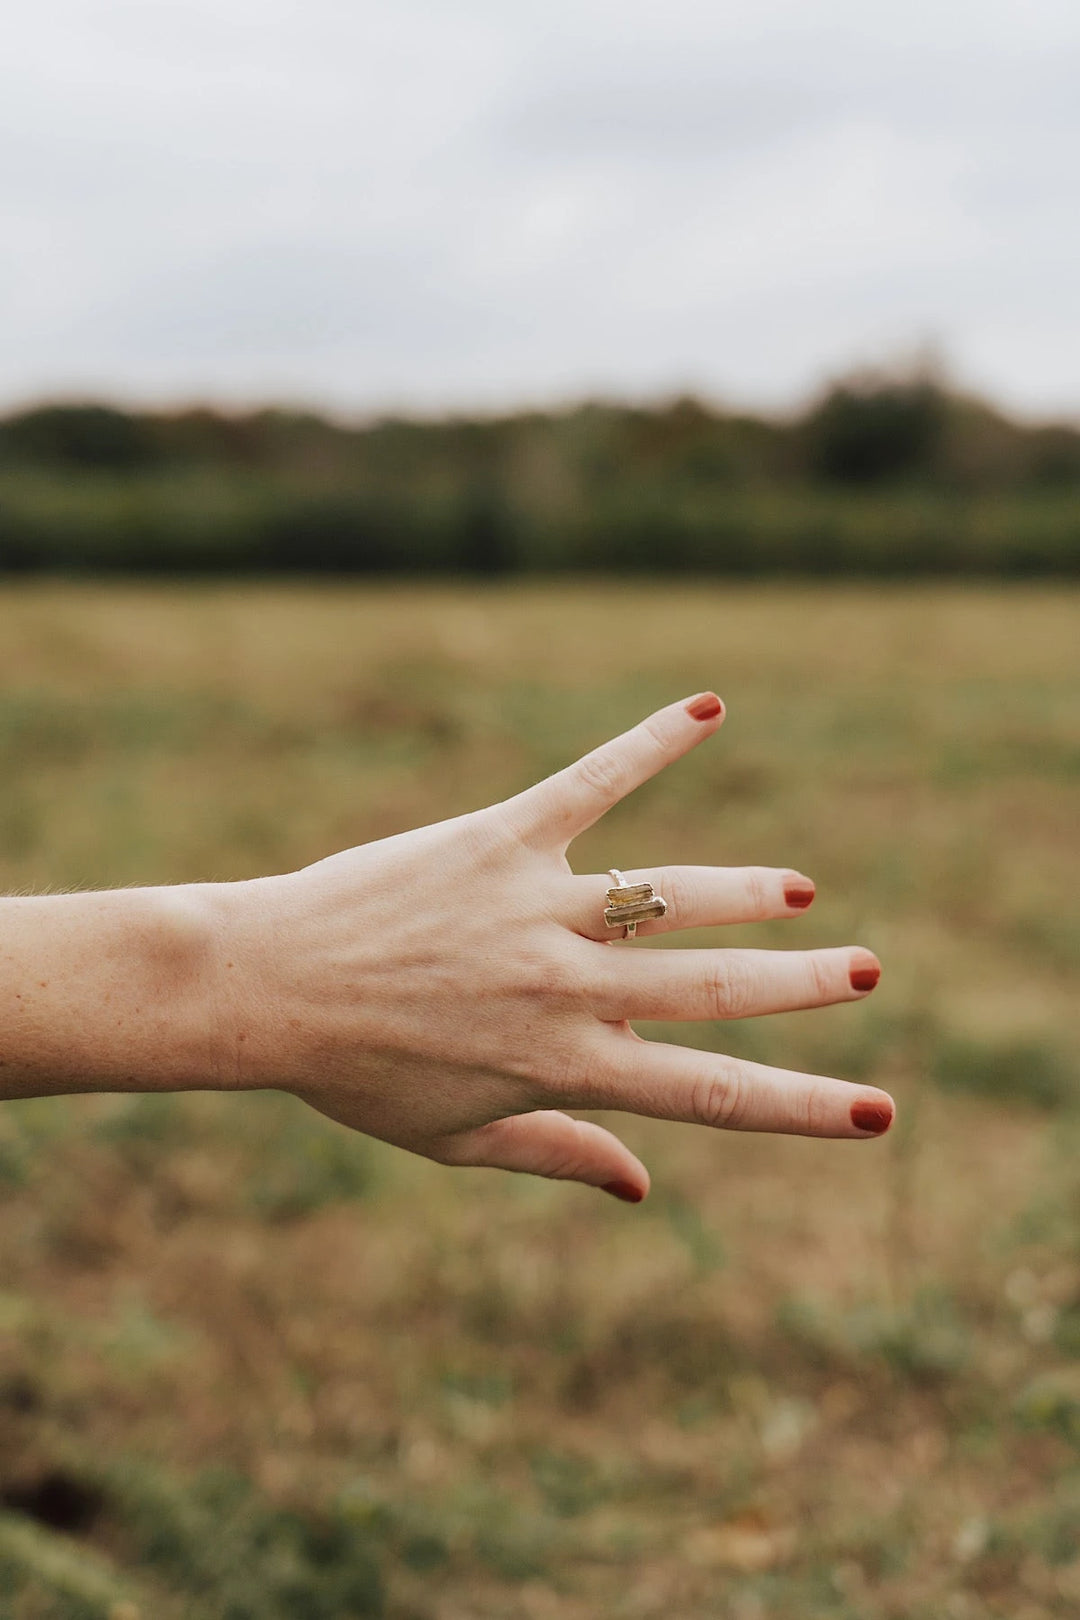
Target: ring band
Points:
x,y
631,903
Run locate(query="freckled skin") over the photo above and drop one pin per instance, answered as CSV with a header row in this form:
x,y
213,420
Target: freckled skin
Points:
x,y
131,1003
452,990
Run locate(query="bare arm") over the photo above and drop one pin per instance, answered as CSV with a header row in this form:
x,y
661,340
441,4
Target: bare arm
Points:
x,y
118,991
451,990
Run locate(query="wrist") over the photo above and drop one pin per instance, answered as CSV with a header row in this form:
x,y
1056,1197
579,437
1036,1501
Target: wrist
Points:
x,y
182,959
281,984
246,984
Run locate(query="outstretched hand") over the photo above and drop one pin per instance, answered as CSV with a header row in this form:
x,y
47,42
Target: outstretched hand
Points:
x,y
453,989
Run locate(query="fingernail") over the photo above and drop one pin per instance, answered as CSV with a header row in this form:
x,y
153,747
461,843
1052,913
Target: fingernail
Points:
x,y
865,974
871,1116
624,1190
705,707
799,891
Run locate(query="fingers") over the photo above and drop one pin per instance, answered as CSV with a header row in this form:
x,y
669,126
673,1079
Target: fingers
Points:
x,y
554,1145
702,1088
726,983
556,811
697,897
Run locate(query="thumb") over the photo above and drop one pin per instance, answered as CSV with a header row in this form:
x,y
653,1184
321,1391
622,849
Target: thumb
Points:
x,y
554,1145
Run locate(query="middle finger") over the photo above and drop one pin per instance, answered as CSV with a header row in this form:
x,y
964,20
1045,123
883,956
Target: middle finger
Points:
x,y
727,983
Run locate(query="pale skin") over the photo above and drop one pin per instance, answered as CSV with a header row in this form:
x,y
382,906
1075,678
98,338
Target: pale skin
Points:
x,y
452,990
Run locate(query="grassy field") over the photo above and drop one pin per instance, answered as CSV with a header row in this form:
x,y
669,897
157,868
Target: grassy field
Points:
x,y
253,1368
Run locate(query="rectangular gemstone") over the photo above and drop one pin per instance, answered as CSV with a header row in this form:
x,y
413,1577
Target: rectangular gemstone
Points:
x,y
642,911
632,892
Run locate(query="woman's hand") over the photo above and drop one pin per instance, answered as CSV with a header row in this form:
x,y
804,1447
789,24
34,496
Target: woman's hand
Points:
x,y
453,989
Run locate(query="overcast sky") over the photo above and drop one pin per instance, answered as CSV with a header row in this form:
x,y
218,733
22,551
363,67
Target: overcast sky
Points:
x,y
429,203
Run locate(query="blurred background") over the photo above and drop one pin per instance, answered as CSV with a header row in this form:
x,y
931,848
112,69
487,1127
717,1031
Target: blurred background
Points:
x,y
394,402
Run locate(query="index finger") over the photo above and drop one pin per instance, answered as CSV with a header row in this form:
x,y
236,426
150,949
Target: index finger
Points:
x,y
566,804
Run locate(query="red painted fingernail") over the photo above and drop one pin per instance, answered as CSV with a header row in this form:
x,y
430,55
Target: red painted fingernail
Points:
x,y
705,707
799,891
871,1116
624,1190
866,974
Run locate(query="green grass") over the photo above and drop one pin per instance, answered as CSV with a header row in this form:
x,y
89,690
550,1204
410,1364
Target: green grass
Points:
x,y
282,1371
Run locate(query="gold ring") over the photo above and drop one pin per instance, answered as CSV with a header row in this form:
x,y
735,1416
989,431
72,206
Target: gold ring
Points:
x,y
631,903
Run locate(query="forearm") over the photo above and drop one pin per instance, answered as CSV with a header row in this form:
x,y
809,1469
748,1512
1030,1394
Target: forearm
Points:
x,y
123,990
451,990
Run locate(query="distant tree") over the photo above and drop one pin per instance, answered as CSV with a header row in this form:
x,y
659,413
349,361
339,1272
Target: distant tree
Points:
x,y
874,431
885,474
1054,456
485,540
78,436
333,534
207,437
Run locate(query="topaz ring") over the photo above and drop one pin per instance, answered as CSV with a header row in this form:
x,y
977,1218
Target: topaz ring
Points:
x,y
631,903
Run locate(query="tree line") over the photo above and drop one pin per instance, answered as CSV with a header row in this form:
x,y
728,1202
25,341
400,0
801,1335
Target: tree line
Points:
x,y
880,475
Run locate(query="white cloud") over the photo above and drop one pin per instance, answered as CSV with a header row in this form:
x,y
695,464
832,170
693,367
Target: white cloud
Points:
x,y
430,202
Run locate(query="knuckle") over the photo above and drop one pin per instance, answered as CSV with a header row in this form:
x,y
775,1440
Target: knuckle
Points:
x,y
600,773
494,832
569,1161
552,977
655,731
815,1112
718,1098
729,991
821,977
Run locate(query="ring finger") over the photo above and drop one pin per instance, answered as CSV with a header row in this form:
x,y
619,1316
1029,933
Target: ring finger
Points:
x,y
703,1088
697,897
